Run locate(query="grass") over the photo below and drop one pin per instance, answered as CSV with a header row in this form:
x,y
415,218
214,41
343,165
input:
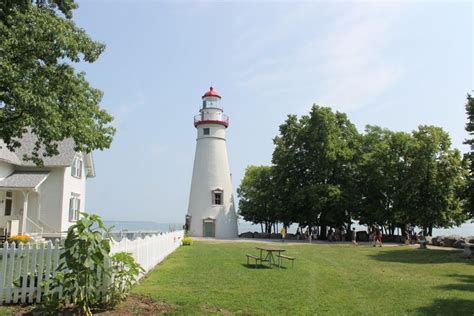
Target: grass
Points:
x,y
326,279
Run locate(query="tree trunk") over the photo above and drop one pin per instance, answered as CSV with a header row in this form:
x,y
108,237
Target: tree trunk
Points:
x,y
261,227
322,232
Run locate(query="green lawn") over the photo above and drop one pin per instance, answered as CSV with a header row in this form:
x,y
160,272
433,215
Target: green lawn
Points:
x,y
327,279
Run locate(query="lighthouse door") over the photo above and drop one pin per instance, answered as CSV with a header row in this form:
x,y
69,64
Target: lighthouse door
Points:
x,y
209,228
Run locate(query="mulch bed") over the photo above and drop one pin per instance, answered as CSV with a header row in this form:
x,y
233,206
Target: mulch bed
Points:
x,y
132,306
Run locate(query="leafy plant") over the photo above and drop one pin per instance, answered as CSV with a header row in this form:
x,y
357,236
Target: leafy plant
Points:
x,y
125,273
187,241
82,266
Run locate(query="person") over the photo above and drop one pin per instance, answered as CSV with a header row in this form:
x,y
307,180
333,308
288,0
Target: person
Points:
x,y
298,233
378,237
283,233
354,237
308,233
407,234
330,236
336,235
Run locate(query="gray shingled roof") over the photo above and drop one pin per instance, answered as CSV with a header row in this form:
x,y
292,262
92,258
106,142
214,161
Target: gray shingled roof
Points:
x,y
24,179
65,148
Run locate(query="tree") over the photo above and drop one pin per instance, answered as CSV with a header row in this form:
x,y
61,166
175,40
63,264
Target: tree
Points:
x,y
436,179
257,200
383,174
315,161
39,89
469,157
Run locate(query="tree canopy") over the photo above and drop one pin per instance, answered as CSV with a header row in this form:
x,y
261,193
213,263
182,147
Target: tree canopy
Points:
x,y
39,89
257,199
325,173
314,162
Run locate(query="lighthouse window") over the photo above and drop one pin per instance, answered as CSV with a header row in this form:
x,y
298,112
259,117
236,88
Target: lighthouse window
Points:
x,y
206,131
217,197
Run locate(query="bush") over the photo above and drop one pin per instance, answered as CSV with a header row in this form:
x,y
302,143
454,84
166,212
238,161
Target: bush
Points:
x,y
187,241
126,272
83,267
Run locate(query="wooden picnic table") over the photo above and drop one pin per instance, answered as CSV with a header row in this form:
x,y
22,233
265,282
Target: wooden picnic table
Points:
x,y
269,254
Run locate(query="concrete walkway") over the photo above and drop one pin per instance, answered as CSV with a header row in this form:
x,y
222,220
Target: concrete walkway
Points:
x,y
286,242
314,242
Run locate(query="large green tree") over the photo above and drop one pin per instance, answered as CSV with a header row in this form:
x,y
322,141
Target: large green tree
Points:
x,y
437,179
469,157
315,161
39,89
383,173
258,202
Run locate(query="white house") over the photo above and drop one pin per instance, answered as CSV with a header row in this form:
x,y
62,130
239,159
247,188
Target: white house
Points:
x,y
42,200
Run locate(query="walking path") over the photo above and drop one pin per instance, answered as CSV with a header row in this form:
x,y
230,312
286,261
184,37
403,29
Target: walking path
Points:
x,y
305,242
286,242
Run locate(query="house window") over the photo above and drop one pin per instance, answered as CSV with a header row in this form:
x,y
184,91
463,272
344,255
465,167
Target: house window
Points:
x,y
8,203
74,205
206,131
217,196
76,168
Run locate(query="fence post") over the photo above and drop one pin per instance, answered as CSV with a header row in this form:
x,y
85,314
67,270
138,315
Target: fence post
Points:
x,y
40,272
3,271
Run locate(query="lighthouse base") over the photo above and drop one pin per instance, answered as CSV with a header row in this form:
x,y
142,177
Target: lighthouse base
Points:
x,y
219,227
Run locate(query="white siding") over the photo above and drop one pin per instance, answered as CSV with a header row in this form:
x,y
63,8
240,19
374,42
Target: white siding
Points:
x,y
50,200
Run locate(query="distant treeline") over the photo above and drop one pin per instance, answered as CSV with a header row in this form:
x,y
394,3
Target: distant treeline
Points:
x,y
326,173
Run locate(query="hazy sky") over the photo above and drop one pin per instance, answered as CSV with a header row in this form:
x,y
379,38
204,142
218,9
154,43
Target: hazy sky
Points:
x,y
393,64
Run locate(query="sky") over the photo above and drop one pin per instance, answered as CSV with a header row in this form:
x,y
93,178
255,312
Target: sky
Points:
x,y
393,64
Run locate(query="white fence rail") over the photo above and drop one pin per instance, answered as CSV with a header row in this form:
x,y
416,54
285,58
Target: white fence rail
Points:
x,y
150,250
23,268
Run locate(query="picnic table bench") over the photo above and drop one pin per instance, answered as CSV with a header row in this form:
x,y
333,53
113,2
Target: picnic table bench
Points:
x,y
292,259
257,259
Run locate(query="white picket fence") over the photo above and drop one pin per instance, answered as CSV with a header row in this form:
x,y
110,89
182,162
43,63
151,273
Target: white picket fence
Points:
x,y
23,269
150,250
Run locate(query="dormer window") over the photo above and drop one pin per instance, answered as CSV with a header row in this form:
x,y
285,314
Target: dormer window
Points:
x,y
76,168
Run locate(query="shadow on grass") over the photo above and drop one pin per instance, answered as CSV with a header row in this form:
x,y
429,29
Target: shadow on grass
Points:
x,y
421,256
453,306
255,266
466,285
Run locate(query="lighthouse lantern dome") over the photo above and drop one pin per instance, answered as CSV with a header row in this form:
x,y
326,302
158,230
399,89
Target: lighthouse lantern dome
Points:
x,y
211,99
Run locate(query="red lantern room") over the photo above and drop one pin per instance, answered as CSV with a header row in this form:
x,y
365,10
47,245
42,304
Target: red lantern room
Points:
x,y
211,93
211,111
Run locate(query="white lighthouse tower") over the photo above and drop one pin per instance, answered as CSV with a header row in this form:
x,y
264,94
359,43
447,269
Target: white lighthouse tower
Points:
x,y
211,211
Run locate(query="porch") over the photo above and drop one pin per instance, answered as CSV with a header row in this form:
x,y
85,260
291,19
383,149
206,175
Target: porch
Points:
x,y
20,205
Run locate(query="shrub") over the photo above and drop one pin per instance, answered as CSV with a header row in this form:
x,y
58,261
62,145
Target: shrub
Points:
x,y
187,241
83,267
126,272
86,248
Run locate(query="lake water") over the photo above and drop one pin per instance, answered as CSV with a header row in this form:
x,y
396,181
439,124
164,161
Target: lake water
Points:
x,y
466,229
142,226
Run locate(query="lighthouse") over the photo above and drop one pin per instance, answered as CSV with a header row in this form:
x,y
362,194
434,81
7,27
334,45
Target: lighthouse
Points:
x,y
211,210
